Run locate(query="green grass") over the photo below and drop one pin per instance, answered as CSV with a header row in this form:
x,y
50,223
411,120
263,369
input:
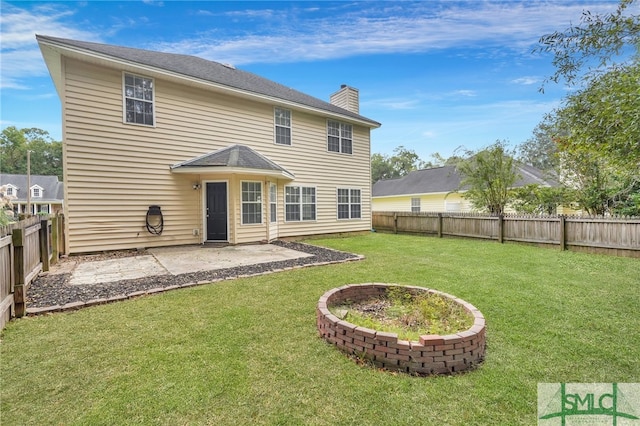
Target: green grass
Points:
x,y
247,351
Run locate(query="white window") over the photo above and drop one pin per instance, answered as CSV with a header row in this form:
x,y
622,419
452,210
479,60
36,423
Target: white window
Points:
x,y
282,119
251,202
36,191
451,206
349,203
138,100
415,205
10,191
339,137
273,203
300,203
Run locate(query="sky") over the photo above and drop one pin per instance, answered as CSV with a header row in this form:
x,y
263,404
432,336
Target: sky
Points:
x,y
440,75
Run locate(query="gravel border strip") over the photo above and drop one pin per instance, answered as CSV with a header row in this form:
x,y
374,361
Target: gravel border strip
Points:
x,y
51,293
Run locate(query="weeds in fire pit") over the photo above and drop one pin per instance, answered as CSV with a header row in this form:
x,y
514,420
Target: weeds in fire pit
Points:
x,y
406,314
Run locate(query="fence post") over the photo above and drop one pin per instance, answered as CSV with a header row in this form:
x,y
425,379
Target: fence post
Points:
x,y
44,244
54,239
17,237
439,225
500,228
395,223
563,233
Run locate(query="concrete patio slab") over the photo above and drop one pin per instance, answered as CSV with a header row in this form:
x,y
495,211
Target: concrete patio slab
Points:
x,y
181,260
106,271
178,260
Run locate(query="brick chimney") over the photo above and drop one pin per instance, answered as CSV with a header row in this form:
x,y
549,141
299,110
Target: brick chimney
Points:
x,y
347,98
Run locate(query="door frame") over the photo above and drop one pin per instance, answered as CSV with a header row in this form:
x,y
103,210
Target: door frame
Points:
x,y
204,210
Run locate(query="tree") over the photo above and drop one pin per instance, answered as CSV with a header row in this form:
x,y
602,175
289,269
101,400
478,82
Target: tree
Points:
x,y
537,199
600,38
604,118
400,164
46,154
540,151
487,175
598,127
598,139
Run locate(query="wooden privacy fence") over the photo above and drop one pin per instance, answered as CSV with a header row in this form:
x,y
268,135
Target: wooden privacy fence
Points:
x,y
26,248
618,236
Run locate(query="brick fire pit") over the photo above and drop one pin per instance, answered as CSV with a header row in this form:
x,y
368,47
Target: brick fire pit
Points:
x,y
433,354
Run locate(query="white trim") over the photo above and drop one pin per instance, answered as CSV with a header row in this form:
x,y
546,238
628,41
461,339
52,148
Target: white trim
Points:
x,y
276,125
260,202
204,209
233,170
124,99
418,204
315,204
326,140
274,201
33,189
349,203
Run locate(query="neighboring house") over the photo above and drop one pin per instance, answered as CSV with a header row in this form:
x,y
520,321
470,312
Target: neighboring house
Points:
x,y
47,193
221,154
436,190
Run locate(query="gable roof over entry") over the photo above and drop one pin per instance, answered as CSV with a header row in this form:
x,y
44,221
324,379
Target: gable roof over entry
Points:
x,y
188,69
233,159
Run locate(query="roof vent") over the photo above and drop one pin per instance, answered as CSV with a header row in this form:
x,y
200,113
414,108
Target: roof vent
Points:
x,y
230,66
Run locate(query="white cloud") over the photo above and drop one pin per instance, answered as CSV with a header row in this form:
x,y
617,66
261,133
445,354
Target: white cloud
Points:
x,y
328,31
393,28
527,80
393,104
465,93
21,57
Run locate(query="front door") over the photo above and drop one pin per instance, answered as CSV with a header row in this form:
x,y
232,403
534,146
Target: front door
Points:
x,y
216,211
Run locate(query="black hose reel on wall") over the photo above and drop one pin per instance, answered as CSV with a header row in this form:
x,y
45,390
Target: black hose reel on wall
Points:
x,y
155,221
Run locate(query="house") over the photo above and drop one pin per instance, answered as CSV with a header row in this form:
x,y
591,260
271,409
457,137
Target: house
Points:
x,y
45,194
166,149
437,190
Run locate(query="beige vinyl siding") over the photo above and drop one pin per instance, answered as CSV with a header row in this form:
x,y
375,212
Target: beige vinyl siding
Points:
x,y
115,171
428,202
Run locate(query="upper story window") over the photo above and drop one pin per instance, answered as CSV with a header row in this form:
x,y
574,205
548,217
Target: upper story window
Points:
x,y
339,137
36,191
300,203
349,203
282,120
415,205
11,191
251,202
138,100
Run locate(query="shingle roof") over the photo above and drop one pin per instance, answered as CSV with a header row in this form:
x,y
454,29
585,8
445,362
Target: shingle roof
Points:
x,y
52,189
235,156
444,180
210,71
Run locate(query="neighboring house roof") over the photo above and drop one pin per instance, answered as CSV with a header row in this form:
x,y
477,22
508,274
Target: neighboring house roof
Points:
x,y
52,189
203,70
444,180
231,159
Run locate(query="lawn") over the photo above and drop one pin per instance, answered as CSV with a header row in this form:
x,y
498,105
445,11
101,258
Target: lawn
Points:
x,y
246,351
